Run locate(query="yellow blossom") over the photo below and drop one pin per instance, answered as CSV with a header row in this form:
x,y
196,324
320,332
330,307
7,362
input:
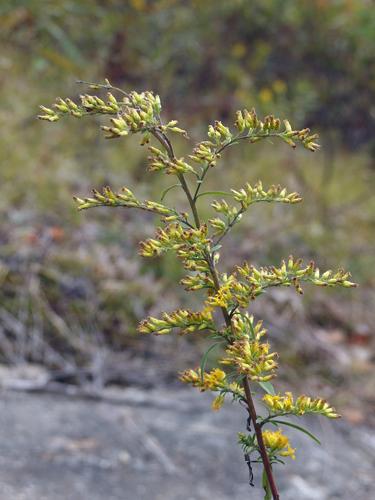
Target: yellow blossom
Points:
x,y
218,402
278,444
212,381
183,319
302,405
252,358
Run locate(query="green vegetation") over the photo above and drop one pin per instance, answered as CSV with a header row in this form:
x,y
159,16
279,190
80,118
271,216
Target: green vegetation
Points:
x,y
197,243
315,59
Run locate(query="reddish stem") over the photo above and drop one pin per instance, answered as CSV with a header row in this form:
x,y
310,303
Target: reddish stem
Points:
x,y
259,436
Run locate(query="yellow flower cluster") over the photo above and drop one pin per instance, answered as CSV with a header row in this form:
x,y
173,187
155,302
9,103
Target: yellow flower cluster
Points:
x,y
187,321
218,402
197,281
139,112
218,225
160,161
219,133
291,273
189,244
171,126
243,325
248,282
208,381
214,381
252,358
205,152
232,215
94,103
125,198
303,404
136,112
224,296
248,120
246,197
90,104
249,127
256,129
252,194
222,207
278,444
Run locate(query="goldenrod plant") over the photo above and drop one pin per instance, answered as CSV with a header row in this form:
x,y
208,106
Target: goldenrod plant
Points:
x,y
248,364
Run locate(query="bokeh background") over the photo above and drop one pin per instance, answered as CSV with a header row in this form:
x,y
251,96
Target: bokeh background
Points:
x,y
73,287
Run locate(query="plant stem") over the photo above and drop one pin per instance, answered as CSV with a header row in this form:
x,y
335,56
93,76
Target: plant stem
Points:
x,y
163,139
201,178
192,204
250,404
258,432
249,399
266,486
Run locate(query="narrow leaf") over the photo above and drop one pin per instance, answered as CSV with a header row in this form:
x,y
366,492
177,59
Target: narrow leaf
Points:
x,y
205,358
268,387
167,190
299,428
216,248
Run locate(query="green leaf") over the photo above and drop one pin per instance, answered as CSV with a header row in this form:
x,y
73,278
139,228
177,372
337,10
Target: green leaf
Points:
x,y
251,327
298,427
216,248
279,461
205,357
167,190
251,330
268,388
214,193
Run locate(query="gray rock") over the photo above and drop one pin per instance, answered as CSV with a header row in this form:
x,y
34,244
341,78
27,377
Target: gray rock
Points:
x,y
163,445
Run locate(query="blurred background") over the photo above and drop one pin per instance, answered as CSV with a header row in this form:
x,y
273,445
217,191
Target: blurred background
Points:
x,y
72,285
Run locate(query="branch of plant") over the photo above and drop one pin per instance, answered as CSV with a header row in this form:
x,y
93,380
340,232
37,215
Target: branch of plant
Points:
x,y
106,86
230,225
200,182
165,142
232,142
249,400
207,167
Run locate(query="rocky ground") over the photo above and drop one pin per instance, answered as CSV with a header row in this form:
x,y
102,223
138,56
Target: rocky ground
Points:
x,y
138,444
